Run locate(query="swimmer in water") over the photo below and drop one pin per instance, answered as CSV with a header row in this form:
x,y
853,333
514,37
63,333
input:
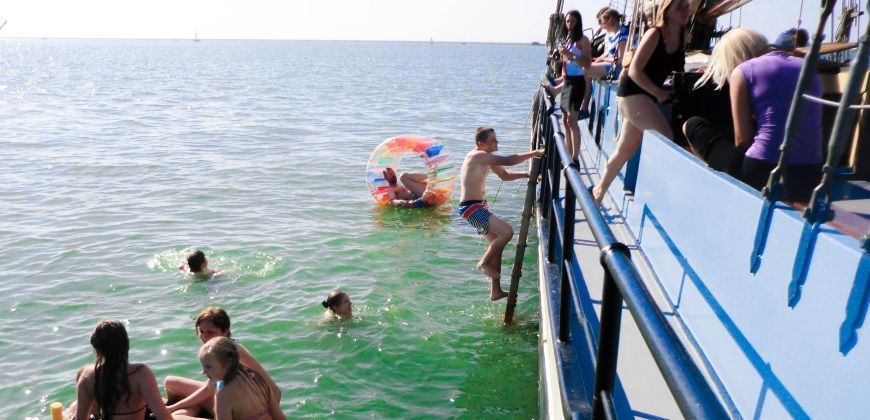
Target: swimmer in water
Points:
x,y
197,266
338,306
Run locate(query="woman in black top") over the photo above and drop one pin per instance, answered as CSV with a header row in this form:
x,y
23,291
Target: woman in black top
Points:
x,y
659,53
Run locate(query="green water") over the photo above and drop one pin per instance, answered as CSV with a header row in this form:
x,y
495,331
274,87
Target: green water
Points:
x,y
120,157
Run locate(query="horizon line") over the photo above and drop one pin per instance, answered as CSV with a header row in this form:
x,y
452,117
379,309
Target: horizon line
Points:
x,y
530,43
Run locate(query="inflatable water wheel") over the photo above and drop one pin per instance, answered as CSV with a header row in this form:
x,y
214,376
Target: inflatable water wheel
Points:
x,y
390,152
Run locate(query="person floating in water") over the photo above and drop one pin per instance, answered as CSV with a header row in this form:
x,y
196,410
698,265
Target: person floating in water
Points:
x,y
411,193
197,266
338,306
473,207
240,392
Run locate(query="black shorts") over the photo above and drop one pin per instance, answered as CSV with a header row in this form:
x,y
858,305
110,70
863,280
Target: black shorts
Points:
x,y
572,93
714,145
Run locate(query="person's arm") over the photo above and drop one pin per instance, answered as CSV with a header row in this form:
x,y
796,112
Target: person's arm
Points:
x,y
585,59
510,160
554,90
641,56
620,50
506,175
223,408
741,109
84,398
203,393
151,394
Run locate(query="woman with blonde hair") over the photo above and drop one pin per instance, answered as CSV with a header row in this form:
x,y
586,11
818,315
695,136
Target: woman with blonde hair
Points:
x,y
659,53
762,84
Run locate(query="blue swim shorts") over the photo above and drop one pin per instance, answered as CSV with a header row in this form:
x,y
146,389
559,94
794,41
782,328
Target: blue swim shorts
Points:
x,y
477,213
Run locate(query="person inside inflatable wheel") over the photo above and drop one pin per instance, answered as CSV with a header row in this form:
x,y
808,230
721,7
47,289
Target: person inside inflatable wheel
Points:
x,y
413,192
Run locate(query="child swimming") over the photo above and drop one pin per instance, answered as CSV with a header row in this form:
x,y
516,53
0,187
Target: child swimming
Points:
x,y
197,266
338,306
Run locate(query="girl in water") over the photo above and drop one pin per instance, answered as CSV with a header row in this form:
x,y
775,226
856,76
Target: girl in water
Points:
x,y
122,390
196,398
240,392
338,306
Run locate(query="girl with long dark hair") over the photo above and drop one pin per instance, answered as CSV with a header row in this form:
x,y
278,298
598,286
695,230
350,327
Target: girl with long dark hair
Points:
x,y
576,53
122,390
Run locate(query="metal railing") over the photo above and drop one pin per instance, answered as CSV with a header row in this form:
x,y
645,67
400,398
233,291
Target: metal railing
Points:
x,y
693,395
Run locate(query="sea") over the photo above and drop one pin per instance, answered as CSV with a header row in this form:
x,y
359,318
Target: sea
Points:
x,y
120,157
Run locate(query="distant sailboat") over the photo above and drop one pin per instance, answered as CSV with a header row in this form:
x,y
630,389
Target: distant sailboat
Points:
x,y
195,36
431,41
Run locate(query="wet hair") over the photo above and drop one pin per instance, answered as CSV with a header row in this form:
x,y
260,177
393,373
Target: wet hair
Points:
x,y
389,170
482,133
609,13
575,34
224,351
735,47
111,346
216,316
334,299
195,260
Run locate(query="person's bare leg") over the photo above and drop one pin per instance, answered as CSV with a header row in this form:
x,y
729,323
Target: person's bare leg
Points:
x,y
574,145
415,182
179,388
639,114
594,72
498,235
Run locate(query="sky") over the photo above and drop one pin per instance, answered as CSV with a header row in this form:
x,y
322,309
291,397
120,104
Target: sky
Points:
x,y
519,21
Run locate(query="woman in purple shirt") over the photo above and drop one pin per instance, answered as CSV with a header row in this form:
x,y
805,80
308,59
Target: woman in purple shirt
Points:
x,y
762,84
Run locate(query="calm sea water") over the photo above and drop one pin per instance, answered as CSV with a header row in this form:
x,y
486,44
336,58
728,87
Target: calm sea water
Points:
x,y
120,157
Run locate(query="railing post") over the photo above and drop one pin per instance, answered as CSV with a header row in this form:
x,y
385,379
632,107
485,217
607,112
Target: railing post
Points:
x,y
555,178
567,256
608,337
545,133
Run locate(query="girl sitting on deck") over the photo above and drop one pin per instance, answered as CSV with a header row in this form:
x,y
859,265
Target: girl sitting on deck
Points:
x,y
196,398
609,63
659,53
240,392
122,390
762,84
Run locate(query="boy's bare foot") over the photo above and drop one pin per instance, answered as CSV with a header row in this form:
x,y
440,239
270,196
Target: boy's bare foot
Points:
x,y
495,295
495,291
487,270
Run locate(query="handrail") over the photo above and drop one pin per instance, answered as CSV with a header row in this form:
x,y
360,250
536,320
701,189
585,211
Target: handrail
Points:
x,y
694,396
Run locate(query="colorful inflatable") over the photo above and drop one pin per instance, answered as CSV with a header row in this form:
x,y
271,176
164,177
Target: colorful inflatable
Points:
x,y
390,154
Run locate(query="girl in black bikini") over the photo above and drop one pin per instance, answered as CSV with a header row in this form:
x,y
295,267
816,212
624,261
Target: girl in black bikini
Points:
x,y
122,390
660,52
